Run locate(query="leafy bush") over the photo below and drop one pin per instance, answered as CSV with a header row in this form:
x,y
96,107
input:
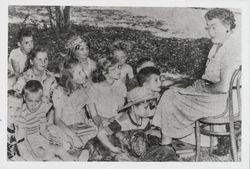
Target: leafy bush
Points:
x,y
185,56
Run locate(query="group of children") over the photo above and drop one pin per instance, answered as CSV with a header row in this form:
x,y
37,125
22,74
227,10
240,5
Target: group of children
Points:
x,y
51,119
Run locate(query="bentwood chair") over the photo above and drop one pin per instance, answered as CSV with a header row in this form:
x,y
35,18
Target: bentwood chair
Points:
x,y
229,119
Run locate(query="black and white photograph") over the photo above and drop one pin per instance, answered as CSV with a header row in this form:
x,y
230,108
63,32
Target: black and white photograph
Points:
x,y
90,83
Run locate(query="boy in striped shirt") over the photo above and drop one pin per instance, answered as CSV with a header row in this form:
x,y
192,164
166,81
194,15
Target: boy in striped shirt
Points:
x,y
33,125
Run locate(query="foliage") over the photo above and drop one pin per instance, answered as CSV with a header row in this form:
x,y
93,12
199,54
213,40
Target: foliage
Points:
x,y
185,56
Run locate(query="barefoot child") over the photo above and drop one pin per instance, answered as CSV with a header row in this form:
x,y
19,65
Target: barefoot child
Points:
x,y
33,125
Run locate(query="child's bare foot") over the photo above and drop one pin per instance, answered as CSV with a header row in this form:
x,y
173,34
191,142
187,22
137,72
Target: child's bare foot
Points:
x,y
84,156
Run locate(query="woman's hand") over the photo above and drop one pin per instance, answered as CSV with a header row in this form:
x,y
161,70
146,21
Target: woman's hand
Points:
x,y
199,84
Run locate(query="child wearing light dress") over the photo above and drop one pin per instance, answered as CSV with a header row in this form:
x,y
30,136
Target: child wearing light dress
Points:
x,y
132,126
33,126
141,104
108,92
70,99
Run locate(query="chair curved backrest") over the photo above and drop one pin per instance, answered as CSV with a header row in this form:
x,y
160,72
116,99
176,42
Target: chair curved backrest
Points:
x,y
234,94
235,85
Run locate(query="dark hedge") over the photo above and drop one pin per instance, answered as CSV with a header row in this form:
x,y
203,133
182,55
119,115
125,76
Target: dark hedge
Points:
x,y
185,56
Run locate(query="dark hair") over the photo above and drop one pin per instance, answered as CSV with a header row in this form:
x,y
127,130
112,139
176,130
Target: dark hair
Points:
x,y
102,67
66,75
143,60
118,46
225,15
145,73
24,32
32,86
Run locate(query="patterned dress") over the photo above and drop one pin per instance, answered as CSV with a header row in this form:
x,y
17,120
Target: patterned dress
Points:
x,y
48,81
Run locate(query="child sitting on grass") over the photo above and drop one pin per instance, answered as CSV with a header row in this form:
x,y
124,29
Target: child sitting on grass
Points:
x,y
33,126
141,63
18,57
118,50
108,93
38,59
136,116
70,99
15,145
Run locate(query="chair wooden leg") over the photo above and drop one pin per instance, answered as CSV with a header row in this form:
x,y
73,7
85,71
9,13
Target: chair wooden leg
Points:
x,y
198,140
211,141
233,142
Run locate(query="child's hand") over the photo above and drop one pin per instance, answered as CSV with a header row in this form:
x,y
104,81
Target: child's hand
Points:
x,y
116,150
54,140
77,142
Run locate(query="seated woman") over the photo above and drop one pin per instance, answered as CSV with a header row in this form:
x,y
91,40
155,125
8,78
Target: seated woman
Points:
x,y
69,99
38,59
107,93
179,108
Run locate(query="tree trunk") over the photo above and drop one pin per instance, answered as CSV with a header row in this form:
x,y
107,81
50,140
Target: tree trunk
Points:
x,y
62,17
59,17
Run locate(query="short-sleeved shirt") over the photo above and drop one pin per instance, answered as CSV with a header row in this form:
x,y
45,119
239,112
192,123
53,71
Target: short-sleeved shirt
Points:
x,y
18,56
71,107
31,122
48,81
108,100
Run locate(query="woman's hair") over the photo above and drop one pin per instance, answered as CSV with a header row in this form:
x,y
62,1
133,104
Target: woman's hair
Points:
x,y
145,73
33,54
225,15
102,67
74,43
66,75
